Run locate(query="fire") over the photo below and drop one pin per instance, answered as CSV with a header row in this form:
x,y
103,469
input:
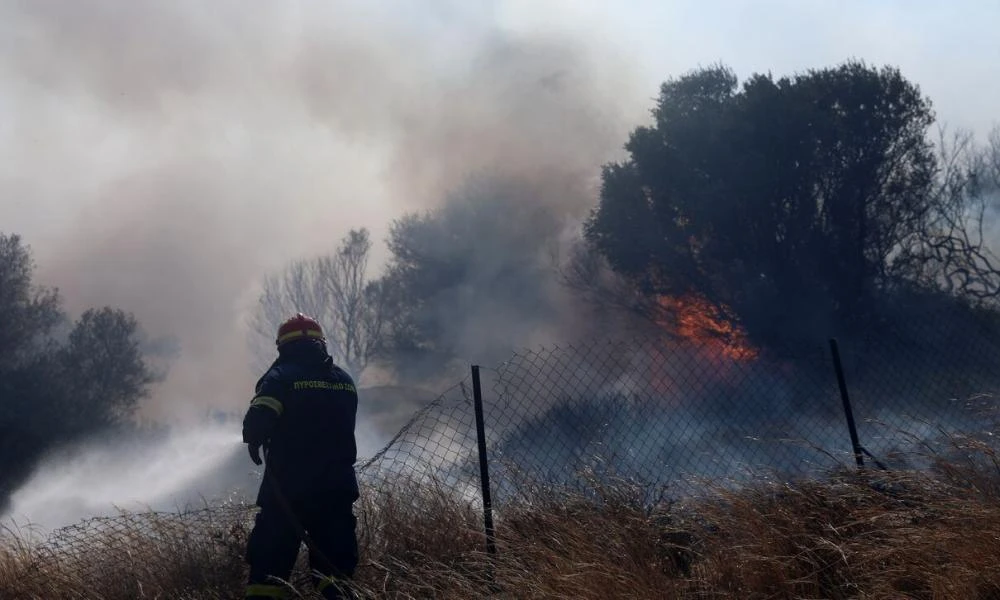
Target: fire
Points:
x,y
707,326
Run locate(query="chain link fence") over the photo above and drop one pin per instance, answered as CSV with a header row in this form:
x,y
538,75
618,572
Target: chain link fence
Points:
x,y
673,416
924,389
429,463
123,550
676,416
668,416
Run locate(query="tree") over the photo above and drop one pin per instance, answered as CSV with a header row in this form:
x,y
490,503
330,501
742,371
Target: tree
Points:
x,y
336,290
790,203
469,279
28,312
103,360
28,315
58,381
953,252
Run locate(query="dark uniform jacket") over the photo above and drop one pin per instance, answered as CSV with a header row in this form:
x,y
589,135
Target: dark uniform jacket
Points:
x,y
303,413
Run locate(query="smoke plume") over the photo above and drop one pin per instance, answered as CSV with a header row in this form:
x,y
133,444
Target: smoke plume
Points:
x,y
162,156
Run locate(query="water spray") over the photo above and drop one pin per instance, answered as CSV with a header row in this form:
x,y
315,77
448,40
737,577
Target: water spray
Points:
x,y
102,477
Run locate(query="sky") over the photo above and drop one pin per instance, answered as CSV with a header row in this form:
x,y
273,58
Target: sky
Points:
x,y
161,156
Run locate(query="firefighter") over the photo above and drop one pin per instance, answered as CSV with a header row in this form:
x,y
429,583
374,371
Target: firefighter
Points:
x,y
302,416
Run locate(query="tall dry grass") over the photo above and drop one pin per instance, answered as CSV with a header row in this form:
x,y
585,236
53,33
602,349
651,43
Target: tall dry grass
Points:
x,y
870,535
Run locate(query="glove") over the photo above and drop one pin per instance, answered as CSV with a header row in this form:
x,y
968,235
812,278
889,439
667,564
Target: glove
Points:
x,y
254,453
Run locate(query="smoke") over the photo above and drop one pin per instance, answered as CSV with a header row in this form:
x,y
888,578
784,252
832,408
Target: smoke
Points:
x,y
162,156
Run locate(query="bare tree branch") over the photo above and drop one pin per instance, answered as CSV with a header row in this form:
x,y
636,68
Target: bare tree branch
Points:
x,y
335,290
953,249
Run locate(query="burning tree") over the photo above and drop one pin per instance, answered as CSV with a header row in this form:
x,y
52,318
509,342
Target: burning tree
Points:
x,y
799,207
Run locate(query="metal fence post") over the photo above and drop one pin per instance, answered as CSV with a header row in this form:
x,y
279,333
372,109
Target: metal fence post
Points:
x,y
846,399
484,467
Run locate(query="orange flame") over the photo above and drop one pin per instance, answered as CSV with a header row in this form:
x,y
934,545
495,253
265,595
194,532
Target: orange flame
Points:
x,y
707,326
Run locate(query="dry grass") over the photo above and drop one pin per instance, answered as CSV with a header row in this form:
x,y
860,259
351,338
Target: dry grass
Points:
x,y
872,535
195,555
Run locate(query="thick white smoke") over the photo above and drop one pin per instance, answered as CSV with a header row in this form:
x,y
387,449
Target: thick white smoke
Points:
x,y
162,156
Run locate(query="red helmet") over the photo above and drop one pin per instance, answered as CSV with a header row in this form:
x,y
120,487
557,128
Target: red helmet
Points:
x,y
299,327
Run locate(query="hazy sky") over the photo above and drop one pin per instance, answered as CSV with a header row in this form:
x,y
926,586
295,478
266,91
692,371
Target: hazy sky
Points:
x,y
161,155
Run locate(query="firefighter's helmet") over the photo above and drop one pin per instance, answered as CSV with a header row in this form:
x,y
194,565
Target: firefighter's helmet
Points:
x,y
299,327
